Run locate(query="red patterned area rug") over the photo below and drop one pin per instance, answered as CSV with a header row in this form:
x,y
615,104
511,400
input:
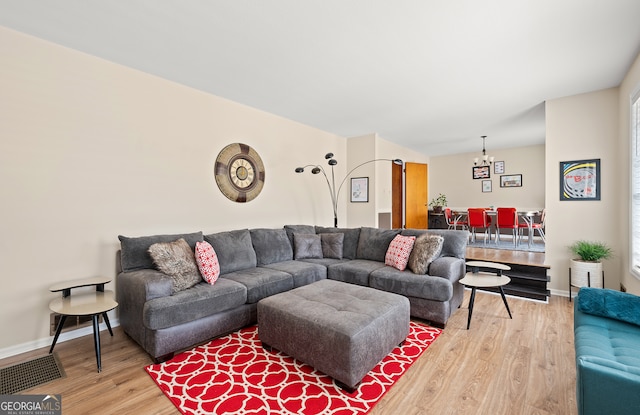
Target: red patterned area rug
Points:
x,y
235,375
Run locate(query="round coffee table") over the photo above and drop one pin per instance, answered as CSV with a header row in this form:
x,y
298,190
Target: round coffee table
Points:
x,y
484,279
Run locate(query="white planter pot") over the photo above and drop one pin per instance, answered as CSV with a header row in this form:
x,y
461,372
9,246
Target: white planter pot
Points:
x,y
579,270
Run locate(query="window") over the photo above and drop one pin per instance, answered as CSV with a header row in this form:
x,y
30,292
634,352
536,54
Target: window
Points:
x,y
635,184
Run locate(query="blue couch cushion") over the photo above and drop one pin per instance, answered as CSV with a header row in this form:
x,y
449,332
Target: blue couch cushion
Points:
x,y
610,303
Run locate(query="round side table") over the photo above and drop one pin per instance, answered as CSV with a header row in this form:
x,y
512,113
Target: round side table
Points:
x,y
91,304
483,279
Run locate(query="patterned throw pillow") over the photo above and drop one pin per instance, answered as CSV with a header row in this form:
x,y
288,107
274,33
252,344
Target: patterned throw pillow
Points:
x,y
207,261
399,250
426,249
176,259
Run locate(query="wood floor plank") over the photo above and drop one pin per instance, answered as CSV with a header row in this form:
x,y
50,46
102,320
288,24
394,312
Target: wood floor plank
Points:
x,y
499,366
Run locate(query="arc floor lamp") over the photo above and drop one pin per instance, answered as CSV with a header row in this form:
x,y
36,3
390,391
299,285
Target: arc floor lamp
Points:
x,y
333,192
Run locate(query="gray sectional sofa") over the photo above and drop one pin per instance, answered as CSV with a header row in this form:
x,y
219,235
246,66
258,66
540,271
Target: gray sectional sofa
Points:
x,y
258,263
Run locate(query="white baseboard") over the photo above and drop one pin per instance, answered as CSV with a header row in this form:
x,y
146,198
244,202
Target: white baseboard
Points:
x,y
46,342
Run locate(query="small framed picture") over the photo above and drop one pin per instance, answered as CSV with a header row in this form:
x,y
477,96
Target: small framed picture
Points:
x,y
498,167
481,172
511,180
486,186
359,189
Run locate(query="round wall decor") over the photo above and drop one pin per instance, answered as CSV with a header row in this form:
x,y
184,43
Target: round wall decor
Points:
x,y
239,172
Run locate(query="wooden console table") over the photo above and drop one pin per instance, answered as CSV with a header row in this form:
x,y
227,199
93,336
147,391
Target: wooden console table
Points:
x,y
91,304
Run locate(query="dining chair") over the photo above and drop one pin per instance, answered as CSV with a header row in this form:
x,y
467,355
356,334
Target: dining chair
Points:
x,y
540,226
478,218
507,218
453,224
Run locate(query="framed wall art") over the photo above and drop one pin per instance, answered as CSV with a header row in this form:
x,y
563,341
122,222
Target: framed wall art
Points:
x,y
481,172
359,189
511,180
486,186
498,167
580,180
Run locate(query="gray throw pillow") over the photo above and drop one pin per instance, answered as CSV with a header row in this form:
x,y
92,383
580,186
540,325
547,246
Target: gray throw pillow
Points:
x,y
425,250
351,237
332,245
176,259
307,246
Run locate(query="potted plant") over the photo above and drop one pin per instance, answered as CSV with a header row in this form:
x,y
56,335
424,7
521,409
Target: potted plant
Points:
x,y
587,269
438,202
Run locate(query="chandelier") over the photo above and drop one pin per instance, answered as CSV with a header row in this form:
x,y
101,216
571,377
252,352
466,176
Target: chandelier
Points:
x,y
486,160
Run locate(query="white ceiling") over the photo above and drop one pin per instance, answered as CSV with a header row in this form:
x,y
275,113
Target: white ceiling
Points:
x,y
430,75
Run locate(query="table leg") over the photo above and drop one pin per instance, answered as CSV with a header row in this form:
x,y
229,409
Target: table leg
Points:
x,y
63,317
106,320
96,340
504,299
471,300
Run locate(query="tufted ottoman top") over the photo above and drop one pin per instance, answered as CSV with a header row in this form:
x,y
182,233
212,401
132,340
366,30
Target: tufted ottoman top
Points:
x,y
341,329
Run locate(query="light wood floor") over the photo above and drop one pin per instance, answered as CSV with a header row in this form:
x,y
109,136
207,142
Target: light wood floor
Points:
x,y
499,366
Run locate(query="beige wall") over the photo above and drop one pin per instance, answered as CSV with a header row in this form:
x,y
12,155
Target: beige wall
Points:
x,y
371,147
583,127
452,176
90,150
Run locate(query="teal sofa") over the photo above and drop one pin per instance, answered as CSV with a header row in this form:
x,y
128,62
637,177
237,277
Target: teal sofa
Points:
x,y
607,344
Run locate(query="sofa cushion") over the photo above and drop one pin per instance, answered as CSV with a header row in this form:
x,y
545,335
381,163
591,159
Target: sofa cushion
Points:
x,y
176,259
306,246
399,250
610,303
373,243
134,252
354,272
411,285
207,261
234,249
199,301
351,237
303,273
262,282
455,241
271,245
291,229
425,250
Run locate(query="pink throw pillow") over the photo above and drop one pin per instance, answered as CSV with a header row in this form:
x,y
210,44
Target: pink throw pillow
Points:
x,y
207,261
399,250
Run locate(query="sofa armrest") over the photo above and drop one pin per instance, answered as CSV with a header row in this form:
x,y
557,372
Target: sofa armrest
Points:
x,y
447,267
133,290
605,386
143,285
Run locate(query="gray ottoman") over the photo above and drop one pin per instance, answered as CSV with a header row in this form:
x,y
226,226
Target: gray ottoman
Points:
x,y
341,329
